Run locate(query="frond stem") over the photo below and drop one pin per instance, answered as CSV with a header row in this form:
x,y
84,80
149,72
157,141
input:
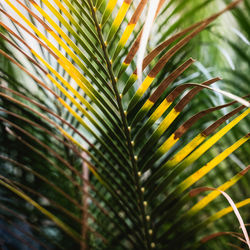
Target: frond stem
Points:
x,y
141,207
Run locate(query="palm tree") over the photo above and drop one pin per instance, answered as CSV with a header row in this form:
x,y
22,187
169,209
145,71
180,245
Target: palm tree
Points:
x,y
94,158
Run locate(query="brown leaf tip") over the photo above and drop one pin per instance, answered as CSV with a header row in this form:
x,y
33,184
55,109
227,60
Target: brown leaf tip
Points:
x,y
243,172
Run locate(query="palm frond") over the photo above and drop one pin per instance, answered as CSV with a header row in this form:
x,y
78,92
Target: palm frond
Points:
x,y
92,159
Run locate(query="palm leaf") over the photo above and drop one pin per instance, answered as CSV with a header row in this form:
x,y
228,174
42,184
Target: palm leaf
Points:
x,y
95,161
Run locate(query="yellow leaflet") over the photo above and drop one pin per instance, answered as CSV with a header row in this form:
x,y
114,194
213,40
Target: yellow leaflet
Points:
x,y
210,197
133,76
74,73
125,65
199,139
64,91
147,105
59,16
69,67
61,224
71,138
76,104
167,121
167,144
185,151
210,165
110,7
160,110
144,86
60,31
66,84
206,145
71,18
126,34
83,100
229,209
73,113
64,10
121,14
67,25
